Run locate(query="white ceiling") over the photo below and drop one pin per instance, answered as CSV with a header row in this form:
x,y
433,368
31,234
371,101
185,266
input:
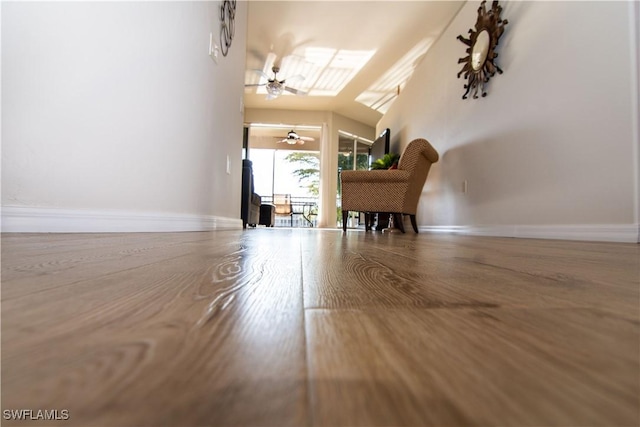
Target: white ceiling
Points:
x,y
384,30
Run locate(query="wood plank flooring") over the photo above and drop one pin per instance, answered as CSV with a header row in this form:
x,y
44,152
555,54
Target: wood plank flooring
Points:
x,y
279,327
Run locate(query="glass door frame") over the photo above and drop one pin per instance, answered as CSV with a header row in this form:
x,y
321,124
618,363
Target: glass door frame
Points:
x,y
354,217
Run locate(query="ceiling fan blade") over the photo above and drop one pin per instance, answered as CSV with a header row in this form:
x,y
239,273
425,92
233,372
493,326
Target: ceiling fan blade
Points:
x,y
255,85
262,73
307,138
295,91
296,78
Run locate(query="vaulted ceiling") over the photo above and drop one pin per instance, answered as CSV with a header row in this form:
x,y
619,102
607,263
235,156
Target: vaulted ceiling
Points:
x,y
349,57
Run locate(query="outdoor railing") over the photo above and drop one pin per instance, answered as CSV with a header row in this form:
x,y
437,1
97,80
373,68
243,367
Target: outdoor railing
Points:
x,y
305,212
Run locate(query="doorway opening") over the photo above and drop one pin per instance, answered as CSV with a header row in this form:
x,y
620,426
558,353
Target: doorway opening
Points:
x,y
286,166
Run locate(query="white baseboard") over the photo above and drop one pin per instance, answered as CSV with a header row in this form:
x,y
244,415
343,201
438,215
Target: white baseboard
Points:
x,y
50,220
625,233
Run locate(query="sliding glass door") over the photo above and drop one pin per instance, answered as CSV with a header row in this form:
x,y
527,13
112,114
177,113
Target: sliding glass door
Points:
x,y
353,154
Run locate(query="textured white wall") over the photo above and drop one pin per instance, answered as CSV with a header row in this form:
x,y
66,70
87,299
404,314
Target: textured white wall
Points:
x,y
554,140
116,106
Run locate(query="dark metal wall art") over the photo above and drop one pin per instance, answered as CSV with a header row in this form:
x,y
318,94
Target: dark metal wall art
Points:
x,y
479,64
227,28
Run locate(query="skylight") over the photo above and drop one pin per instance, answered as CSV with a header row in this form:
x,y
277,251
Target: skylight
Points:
x,y
381,94
320,71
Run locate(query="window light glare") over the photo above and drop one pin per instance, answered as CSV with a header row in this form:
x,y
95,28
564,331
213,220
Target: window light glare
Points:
x,y
326,71
370,97
319,56
380,95
352,59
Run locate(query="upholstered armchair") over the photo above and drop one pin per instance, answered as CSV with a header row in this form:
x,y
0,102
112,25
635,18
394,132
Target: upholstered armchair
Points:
x,y
394,191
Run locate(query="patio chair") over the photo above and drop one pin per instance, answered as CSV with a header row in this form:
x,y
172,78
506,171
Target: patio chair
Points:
x,y
282,202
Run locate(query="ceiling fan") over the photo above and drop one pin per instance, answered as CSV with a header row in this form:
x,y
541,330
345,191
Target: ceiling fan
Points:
x,y
276,87
293,138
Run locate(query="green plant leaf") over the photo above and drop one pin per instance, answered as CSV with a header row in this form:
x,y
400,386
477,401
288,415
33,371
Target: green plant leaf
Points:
x,y
386,161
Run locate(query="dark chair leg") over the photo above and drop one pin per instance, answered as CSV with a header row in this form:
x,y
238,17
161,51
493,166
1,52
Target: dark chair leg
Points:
x,y
413,223
345,214
397,219
367,221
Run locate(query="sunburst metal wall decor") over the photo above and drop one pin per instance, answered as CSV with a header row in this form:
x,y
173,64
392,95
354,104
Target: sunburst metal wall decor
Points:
x,y
479,64
227,26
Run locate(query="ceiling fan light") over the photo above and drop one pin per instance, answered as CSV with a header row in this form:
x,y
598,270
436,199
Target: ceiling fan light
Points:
x,y
274,89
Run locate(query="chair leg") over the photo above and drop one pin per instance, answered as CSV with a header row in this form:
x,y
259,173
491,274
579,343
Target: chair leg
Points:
x,y
367,221
413,223
397,218
345,214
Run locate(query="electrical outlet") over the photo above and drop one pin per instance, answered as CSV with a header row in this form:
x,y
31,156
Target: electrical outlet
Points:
x,y
214,49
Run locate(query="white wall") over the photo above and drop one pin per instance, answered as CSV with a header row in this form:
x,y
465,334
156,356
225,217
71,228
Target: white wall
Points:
x,y
552,150
115,108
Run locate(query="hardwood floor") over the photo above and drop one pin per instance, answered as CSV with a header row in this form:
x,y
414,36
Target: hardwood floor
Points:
x,y
277,327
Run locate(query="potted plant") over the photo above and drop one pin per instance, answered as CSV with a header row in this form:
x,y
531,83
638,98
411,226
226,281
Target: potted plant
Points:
x,y
388,161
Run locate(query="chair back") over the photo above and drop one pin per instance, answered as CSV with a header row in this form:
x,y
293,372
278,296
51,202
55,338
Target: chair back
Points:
x,y
416,159
282,202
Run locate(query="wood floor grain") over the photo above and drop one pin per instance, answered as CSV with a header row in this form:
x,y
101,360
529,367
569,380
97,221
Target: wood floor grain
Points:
x,y
473,367
315,327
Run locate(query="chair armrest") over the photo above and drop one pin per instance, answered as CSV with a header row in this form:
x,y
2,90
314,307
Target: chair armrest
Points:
x,y
393,175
